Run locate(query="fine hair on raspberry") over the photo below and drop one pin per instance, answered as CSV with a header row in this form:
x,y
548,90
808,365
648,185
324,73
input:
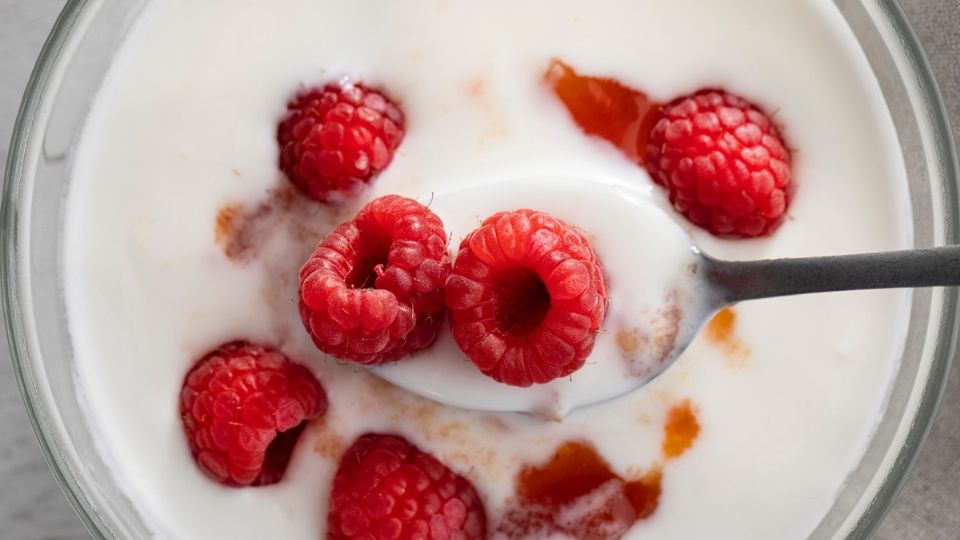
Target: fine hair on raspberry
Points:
x,y
243,408
526,296
372,291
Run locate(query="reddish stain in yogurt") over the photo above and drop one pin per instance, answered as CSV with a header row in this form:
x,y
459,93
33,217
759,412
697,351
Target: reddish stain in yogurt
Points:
x,y
721,326
722,332
223,224
578,494
244,232
681,430
605,108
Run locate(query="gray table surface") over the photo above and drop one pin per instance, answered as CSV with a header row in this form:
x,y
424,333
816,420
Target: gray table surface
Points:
x,y
33,508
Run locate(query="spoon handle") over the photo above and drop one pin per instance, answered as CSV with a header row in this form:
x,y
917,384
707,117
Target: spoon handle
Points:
x,y
733,281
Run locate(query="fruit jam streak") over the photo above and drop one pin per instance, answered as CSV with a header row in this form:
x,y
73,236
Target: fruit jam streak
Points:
x,y
721,332
680,430
605,108
576,492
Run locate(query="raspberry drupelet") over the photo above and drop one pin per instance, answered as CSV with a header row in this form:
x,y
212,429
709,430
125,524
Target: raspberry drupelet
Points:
x,y
372,291
243,407
336,139
723,162
526,297
387,488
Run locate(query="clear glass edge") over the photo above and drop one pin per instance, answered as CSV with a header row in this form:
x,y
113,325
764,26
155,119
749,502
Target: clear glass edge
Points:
x,y
51,55
935,122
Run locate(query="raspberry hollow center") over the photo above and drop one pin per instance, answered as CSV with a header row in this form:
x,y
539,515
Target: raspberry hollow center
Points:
x,y
278,454
364,273
520,301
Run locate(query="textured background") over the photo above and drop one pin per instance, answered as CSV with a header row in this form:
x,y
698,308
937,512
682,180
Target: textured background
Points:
x,y
33,508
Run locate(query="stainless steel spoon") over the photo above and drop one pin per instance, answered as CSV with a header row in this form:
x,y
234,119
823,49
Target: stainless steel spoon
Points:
x,y
648,325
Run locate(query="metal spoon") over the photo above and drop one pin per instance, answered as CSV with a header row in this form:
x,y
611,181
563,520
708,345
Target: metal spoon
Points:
x,y
663,290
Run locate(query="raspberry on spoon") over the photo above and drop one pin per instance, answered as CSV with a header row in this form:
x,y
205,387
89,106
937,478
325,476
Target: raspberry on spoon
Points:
x,y
336,139
526,297
243,407
387,488
372,291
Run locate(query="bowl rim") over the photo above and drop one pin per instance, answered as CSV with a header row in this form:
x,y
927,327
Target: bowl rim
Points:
x,y
935,125
49,59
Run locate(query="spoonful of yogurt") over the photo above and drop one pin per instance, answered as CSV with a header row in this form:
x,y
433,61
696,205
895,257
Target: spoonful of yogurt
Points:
x,y
661,290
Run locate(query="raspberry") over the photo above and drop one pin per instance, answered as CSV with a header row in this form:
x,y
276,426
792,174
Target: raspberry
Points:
x,y
243,408
373,289
335,139
724,163
526,297
386,488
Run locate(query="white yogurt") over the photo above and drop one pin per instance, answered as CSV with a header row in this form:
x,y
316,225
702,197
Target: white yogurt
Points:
x,y
185,126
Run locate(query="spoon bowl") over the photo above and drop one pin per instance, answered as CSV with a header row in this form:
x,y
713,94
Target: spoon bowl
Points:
x,y
662,289
655,298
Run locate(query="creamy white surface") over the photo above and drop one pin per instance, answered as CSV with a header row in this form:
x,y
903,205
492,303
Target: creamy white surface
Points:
x,y
185,125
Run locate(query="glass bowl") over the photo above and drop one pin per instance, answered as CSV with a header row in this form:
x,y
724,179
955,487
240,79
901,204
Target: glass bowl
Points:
x,y
54,108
